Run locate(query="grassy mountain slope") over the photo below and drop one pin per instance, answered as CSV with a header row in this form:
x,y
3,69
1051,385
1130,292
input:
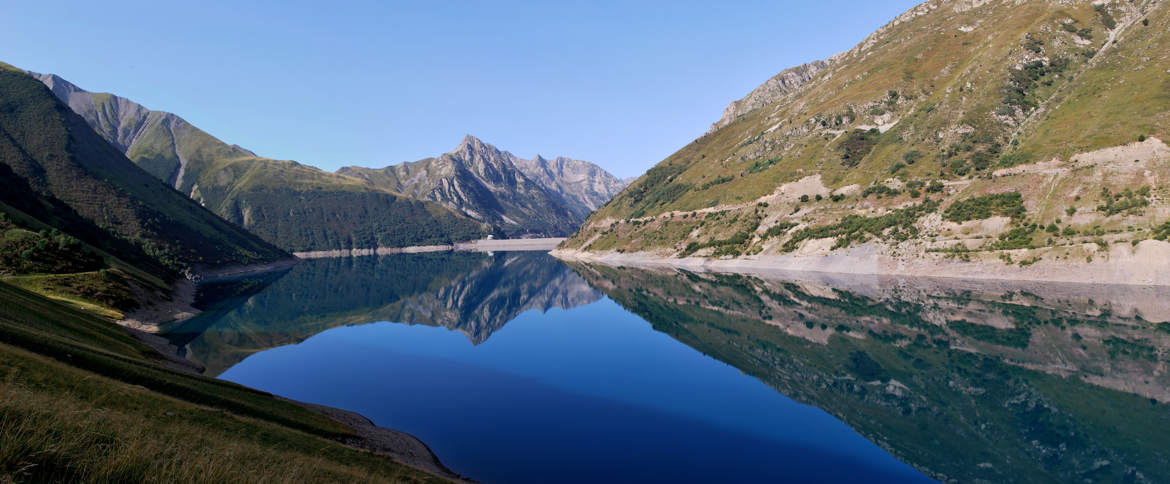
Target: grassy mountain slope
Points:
x,y
46,247
953,100
294,206
83,401
56,153
81,223
482,182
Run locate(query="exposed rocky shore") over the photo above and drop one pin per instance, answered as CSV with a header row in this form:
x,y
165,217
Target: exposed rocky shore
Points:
x,y
482,245
1145,263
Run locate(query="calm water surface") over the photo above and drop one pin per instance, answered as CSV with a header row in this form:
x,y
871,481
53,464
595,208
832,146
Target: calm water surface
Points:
x,y
518,368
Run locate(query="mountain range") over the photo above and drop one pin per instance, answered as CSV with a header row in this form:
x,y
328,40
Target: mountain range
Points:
x,y
520,197
471,192
973,138
107,203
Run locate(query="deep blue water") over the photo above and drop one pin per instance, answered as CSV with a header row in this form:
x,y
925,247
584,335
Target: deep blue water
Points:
x,y
588,394
515,367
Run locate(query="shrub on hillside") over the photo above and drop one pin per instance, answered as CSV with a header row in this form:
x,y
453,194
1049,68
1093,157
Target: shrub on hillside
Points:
x,y
857,144
1004,204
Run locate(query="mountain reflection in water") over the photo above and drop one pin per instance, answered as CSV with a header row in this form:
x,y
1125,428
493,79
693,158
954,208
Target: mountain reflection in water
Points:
x,y
964,381
967,381
470,292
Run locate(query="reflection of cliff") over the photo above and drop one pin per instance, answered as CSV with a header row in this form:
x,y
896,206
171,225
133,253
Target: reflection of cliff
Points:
x,y
967,382
473,293
486,299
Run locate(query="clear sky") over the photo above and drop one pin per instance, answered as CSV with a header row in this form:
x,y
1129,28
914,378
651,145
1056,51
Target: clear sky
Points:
x,y
623,83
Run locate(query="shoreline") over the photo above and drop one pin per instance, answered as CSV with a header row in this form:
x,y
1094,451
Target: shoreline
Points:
x,y
148,319
392,444
144,324
1147,264
480,245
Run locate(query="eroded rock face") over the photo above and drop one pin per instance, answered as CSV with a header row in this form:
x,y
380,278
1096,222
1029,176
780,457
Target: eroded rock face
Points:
x,y
517,196
583,185
771,91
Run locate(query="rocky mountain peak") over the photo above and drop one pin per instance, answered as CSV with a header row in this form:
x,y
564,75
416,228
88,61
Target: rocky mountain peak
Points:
x,y
518,196
474,146
487,162
60,87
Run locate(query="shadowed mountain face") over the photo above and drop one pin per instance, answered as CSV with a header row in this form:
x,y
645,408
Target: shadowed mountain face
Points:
x,y
517,196
968,382
475,294
62,174
294,206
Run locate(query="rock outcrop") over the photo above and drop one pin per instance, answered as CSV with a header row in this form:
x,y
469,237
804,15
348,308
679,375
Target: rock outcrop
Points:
x,y
517,197
771,90
583,186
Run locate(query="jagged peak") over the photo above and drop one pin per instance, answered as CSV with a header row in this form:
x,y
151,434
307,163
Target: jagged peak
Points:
x,y
472,148
471,143
55,83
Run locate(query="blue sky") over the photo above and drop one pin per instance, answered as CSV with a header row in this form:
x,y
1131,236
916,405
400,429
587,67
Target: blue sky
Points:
x,y
623,84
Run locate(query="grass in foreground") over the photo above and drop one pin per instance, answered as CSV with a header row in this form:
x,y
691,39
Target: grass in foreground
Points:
x,y
62,424
82,401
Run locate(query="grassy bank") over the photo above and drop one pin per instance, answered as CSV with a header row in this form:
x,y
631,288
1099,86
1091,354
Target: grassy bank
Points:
x,y
83,401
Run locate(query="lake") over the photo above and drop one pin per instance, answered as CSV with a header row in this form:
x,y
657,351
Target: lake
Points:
x,y
516,367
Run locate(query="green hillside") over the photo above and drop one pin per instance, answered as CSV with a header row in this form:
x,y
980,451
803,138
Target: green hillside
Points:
x,y
46,247
57,155
81,223
83,401
293,206
950,101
